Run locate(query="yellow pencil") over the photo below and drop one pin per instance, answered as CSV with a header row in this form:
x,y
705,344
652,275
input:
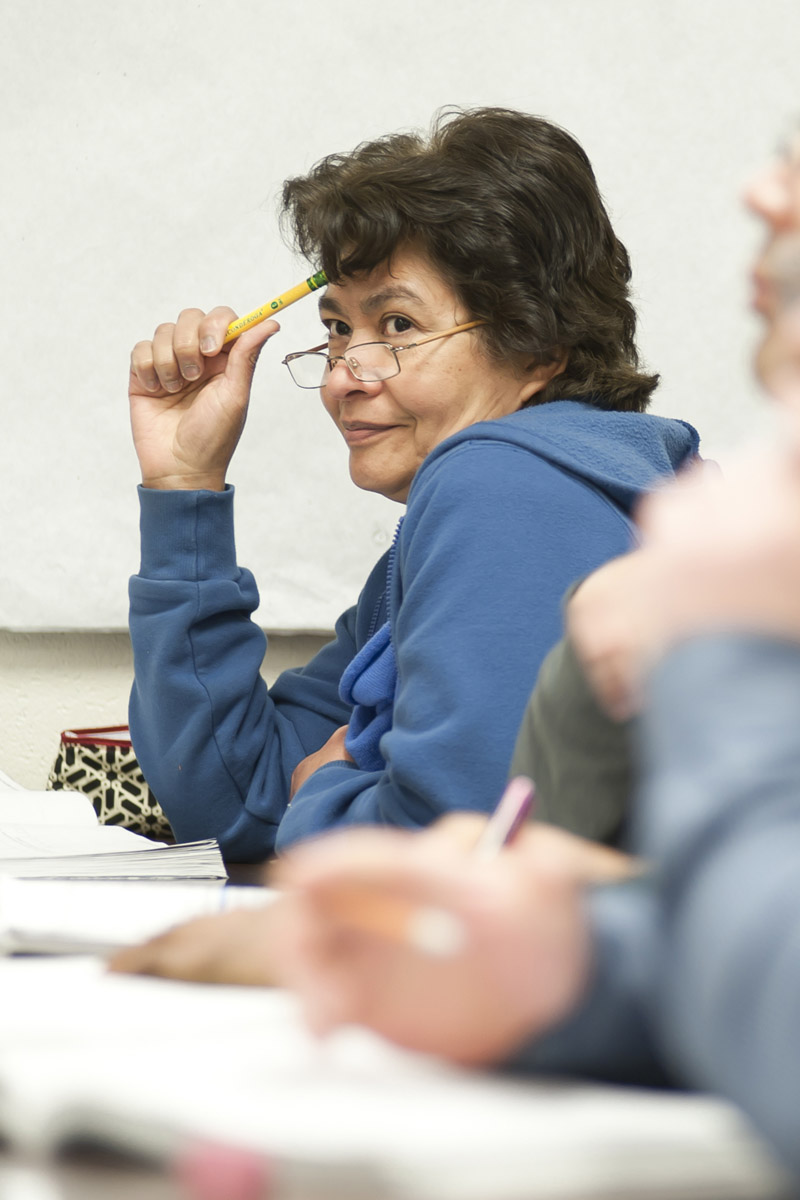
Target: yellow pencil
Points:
x,y
268,310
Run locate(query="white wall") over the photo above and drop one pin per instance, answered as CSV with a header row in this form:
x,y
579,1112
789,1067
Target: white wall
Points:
x,y
55,681
141,149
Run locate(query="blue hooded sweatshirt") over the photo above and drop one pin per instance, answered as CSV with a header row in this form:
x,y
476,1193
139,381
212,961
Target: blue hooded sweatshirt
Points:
x,y
431,669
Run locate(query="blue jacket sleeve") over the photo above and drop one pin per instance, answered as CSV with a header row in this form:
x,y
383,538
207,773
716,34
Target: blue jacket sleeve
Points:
x,y
610,1035
217,748
721,813
490,542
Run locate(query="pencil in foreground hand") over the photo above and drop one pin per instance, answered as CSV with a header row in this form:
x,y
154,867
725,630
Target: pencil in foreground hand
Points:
x,y
312,284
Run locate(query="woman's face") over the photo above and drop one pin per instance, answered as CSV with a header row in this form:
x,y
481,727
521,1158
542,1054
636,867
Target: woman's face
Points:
x,y
392,425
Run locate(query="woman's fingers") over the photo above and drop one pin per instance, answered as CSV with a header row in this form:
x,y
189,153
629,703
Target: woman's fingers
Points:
x,y
212,330
186,363
178,351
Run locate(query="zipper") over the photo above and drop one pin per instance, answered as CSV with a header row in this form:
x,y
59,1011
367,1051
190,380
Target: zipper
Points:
x,y
385,594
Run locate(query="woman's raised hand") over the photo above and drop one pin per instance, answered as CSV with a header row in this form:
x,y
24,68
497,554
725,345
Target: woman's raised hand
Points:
x,y
189,395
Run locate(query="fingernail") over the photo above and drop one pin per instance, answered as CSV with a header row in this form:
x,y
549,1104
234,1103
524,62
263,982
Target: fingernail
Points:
x,y
208,344
191,371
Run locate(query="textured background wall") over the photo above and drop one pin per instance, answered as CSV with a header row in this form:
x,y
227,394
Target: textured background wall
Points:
x,y
54,681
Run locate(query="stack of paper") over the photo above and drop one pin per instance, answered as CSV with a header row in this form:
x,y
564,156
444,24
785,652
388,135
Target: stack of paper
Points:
x,y
56,835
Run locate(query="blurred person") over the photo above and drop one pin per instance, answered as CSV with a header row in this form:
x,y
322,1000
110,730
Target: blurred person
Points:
x,y
687,975
691,975
577,729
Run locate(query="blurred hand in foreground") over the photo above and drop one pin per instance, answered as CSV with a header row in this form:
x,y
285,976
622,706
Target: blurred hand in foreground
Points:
x,y
519,962
719,554
232,947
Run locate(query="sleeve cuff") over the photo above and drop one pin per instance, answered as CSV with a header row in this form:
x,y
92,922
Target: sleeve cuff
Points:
x,y
187,535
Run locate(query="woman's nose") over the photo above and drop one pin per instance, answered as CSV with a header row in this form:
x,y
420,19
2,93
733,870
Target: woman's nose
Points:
x,y
340,381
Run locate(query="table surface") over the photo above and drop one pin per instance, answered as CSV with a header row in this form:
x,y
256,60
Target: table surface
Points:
x,y
85,1177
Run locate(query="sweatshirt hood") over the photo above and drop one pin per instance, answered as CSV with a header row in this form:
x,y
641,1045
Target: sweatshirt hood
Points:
x,y
620,453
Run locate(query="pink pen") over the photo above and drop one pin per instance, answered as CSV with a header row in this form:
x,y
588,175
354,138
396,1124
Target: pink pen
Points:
x,y
513,809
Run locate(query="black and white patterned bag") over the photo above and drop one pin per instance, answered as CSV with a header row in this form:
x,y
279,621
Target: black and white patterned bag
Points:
x,y
101,763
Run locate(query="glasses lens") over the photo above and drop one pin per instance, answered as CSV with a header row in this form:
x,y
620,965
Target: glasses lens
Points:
x,y
308,370
370,362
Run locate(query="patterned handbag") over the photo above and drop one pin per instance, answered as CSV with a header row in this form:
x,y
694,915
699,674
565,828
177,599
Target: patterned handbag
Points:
x,y
101,763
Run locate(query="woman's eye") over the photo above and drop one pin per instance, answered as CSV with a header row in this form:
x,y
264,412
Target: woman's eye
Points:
x,y
337,329
397,325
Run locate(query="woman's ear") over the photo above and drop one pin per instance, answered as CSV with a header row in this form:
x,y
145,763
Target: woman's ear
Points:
x,y
536,377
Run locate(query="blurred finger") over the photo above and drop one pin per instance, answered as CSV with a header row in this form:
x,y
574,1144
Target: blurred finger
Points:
x,y
456,830
146,959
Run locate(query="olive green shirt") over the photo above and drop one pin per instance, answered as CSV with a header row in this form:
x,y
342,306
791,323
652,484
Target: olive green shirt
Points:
x,y
579,758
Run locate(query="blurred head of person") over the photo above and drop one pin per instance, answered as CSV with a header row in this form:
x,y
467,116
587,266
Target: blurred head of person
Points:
x,y
773,195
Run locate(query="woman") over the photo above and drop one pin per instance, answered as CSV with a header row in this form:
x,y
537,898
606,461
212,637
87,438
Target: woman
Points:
x,y
480,364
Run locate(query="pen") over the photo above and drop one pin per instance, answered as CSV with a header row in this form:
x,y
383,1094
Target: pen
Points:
x,y
513,809
283,301
429,928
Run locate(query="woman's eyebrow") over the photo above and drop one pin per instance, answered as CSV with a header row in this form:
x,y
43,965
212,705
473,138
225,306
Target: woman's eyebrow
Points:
x,y
394,292
330,304
376,300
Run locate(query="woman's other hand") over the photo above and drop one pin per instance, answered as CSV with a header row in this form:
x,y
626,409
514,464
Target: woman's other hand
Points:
x,y
188,398
334,750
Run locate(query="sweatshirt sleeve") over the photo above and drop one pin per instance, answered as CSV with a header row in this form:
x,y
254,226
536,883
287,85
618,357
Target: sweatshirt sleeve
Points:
x,y
721,814
217,748
491,540
610,1035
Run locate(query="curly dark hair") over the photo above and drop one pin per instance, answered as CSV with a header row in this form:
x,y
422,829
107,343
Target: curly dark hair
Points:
x,y
506,206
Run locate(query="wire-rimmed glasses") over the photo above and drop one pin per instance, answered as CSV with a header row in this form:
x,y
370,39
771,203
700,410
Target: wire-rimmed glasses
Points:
x,y
369,362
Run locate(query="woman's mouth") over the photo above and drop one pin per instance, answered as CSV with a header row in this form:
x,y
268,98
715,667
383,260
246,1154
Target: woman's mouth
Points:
x,y
356,433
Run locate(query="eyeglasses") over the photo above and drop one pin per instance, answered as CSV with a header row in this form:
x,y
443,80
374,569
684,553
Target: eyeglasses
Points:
x,y
369,362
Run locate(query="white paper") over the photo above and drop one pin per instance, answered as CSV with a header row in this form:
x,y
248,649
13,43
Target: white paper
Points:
x,y
56,834
9,784
153,1063
95,916
21,807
